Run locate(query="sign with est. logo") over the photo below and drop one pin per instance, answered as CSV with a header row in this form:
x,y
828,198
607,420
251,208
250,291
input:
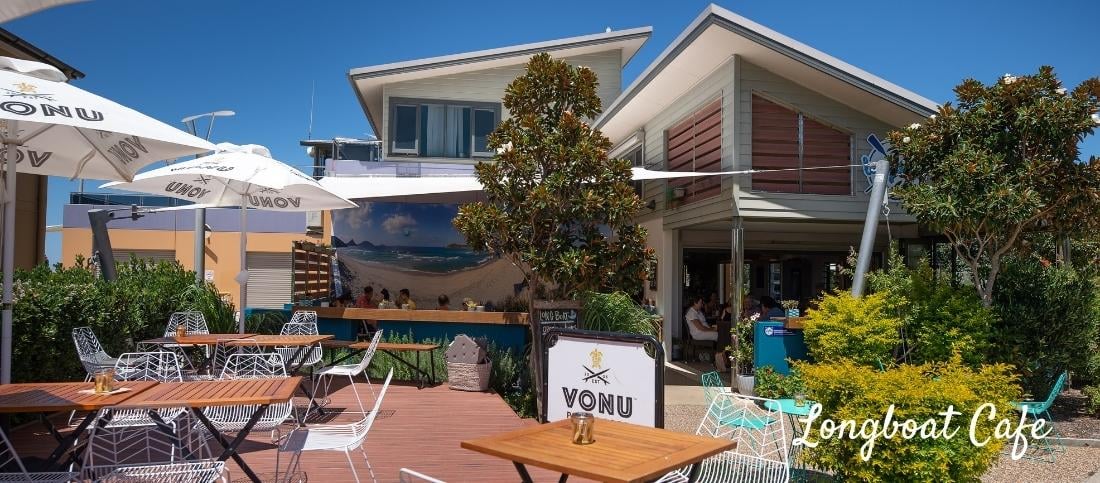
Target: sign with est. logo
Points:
x,y
611,375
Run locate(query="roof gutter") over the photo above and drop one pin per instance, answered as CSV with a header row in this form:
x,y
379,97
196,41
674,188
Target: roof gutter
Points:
x,y
40,55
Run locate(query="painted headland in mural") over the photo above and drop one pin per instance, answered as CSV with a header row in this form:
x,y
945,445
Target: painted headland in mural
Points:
x,y
415,246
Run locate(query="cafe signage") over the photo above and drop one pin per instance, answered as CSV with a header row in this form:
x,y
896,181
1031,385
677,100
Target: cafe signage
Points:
x,y
611,375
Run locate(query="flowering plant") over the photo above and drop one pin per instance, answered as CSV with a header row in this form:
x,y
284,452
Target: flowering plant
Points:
x,y
789,304
470,303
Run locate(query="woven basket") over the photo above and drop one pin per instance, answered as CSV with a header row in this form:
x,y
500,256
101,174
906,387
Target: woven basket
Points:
x,y
469,377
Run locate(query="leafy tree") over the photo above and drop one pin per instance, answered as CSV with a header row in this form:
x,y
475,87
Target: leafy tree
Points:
x,y
556,206
1003,163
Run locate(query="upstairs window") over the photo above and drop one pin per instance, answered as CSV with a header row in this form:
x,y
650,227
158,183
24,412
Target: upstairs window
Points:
x,y
442,129
695,145
786,139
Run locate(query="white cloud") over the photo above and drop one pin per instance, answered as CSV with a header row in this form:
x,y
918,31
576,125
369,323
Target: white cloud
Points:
x,y
397,224
354,218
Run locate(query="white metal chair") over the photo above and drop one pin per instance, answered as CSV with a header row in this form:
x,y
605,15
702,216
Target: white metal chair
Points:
x,y
90,351
145,366
406,475
306,357
10,460
177,452
193,320
336,437
227,347
251,366
762,452
303,317
351,370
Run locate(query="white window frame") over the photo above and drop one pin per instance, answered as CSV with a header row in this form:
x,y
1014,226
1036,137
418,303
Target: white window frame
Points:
x,y
417,103
393,130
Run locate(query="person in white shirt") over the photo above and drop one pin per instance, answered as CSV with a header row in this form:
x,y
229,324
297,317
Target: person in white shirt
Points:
x,y
697,325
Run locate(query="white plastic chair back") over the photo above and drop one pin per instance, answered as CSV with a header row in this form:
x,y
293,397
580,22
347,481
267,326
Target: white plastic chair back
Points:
x,y
194,321
148,366
113,448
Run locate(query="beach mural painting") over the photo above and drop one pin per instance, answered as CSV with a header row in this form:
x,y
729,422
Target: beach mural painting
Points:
x,y
415,246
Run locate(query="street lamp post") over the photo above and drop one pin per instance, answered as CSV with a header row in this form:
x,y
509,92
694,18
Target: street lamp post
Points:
x,y
200,214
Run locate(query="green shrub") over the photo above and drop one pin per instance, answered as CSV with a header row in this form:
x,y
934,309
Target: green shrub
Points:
x,y
617,312
939,319
1048,322
844,327
1093,395
773,385
50,302
847,391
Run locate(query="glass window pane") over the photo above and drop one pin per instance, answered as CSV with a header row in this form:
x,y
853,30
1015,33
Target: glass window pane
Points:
x,y
484,124
404,127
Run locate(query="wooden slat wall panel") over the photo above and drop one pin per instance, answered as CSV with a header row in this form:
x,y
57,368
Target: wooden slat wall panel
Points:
x,y
695,145
825,146
774,146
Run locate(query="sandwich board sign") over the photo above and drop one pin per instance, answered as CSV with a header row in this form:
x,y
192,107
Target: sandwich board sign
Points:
x,y
611,375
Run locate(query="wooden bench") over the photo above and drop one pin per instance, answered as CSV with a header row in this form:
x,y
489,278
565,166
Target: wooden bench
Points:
x,y
391,348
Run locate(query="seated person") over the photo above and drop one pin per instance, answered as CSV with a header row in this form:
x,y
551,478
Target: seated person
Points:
x,y
403,299
697,326
444,302
366,301
770,310
386,303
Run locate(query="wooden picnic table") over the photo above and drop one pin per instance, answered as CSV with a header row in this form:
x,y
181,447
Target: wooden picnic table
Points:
x,y
50,397
621,452
197,395
392,348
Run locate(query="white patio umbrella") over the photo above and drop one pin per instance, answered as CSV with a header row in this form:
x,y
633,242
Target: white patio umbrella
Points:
x,y
49,127
13,9
243,176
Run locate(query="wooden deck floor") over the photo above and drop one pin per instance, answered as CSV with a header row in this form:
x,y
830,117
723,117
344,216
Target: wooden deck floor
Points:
x,y
418,429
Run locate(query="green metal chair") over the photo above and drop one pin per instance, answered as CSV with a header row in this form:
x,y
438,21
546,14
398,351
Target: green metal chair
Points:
x,y
1041,409
713,387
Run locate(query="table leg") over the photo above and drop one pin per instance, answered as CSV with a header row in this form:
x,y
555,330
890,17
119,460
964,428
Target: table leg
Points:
x,y
230,448
64,443
524,476
421,375
293,366
167,429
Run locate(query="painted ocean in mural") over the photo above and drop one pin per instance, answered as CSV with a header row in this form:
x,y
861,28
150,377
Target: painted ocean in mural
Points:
x,y
424,259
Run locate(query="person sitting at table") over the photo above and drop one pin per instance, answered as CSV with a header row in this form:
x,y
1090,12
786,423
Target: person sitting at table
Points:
x,y
444,302
386,303
697,326
366,301
344,300
769,309
403,299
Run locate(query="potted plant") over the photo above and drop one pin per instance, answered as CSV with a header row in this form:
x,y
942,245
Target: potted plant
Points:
x,y
791,307
741,358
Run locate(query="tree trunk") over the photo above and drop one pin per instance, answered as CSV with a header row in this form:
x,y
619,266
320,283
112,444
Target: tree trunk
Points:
x,y
535,361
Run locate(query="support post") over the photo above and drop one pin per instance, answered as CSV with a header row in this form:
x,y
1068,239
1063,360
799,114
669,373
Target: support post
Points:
x,y
242,277
870,227
737,262
8,257
101,242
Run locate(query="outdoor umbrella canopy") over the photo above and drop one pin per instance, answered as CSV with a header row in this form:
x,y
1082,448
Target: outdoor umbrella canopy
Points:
x,y
13,9
243,176
49,127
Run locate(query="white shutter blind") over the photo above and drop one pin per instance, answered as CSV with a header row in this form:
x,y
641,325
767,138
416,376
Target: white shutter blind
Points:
x,y
269,280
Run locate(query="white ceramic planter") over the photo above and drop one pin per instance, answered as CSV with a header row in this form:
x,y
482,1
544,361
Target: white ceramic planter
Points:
x,y
745,384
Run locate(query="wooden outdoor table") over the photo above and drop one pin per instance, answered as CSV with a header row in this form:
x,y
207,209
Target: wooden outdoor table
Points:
x,y
49,397
391,348
294,363
196,339
621,452
197,395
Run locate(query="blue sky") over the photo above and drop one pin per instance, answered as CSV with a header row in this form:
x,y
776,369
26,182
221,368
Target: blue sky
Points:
x,y
173,59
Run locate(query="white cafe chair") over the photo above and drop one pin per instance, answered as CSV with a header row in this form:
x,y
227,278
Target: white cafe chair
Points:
x,y
17,472
350,371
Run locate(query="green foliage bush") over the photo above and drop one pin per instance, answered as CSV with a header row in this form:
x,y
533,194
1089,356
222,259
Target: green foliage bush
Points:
x,y
939,319
50,302
843,327
1049,321
1093,395
773,385
617,312
847,390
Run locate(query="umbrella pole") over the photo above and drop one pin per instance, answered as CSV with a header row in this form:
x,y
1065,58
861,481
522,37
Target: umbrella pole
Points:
x,y
8,259
243,276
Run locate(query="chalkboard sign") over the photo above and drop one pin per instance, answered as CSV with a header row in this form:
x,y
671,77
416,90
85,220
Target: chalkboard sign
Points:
x,y
566,314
